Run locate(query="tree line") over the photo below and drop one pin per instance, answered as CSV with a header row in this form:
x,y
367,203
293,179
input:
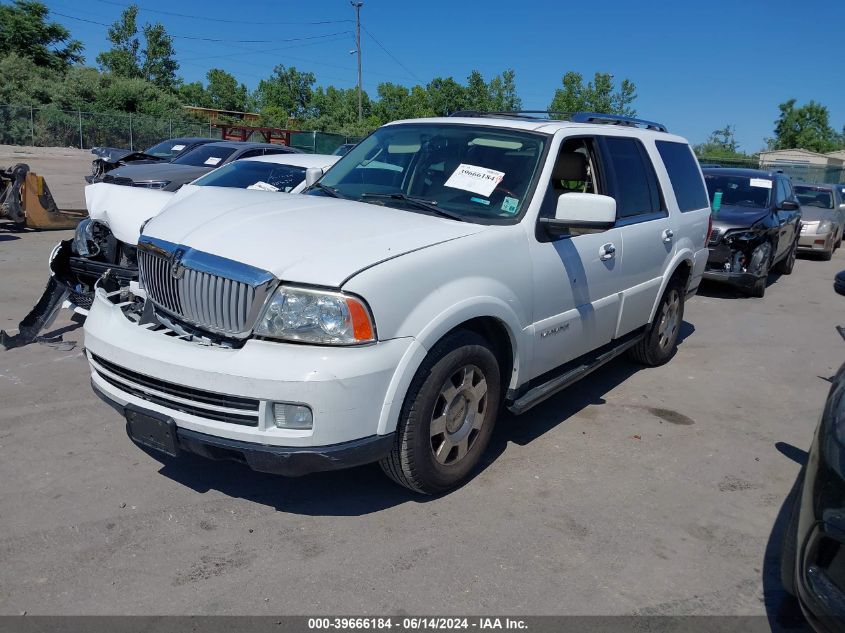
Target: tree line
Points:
x,y
41,64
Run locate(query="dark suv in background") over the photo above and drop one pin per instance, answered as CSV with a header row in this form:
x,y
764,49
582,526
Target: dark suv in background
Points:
x,y
755,227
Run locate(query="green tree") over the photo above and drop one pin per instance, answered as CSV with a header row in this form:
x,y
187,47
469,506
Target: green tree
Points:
x,y
599,95
503,96
445,96
224,92
25,31
193,94
159,65
721,144
287,92
807,127
123,58
336,110
399,102
477,93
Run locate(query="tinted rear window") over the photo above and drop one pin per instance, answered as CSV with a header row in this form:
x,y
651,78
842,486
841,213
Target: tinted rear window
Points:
x,y
684,175
634,181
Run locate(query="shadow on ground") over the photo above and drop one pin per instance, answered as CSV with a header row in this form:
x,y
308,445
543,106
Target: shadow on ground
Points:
x,y
363,490
716,290
782,610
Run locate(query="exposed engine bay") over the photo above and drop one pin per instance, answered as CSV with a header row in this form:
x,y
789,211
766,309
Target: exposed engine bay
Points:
x,y
740,251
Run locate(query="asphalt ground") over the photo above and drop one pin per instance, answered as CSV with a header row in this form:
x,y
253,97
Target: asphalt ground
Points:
x,y
637,491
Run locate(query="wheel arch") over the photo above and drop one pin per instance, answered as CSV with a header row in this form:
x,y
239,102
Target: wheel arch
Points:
x,y
682,267
493,321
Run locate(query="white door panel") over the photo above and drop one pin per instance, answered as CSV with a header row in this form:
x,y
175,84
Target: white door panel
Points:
x,y
649,248
577,297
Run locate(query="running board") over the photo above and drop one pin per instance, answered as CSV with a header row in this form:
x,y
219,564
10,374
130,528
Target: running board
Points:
x,y
537,394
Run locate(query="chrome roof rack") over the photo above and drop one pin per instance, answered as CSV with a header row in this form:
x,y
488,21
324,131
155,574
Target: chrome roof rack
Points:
x,y
616,119
575,117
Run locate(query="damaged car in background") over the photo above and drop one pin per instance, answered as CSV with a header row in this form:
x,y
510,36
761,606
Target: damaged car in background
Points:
x,y
104,245
170,176
823,218
756,224
109,158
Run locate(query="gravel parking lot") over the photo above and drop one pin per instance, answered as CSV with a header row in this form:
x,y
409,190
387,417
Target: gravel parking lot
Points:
x,y
653,491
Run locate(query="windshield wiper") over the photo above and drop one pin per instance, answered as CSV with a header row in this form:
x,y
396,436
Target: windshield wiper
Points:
x,y
329,190
426,205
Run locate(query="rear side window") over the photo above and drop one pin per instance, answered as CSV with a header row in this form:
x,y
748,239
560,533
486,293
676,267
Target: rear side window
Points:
x,y
633,181
684,175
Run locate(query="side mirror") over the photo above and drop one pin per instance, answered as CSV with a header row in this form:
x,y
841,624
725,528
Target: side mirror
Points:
x,y
789,205
312,175
581,211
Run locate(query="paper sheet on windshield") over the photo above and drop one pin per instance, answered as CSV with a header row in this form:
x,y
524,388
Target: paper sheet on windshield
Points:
x,y
212,161
177,148
478,180
263,186
761,182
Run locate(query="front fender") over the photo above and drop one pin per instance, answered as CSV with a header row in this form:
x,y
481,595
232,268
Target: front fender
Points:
x,y
440,325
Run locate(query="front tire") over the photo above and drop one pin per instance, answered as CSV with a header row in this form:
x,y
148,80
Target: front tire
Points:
x,y
785,266
660,342
448,415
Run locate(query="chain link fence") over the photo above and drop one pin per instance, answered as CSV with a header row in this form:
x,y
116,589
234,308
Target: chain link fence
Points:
x,y
52,127
799,172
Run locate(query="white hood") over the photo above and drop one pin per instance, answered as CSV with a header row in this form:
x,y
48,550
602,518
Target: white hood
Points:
x,y
124,208
306,239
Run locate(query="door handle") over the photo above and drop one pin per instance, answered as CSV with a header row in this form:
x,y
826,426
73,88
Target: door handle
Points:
x,y
607,251
668,234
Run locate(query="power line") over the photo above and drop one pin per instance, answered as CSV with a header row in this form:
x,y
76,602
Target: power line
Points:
x,y
225,21
211,39
393,57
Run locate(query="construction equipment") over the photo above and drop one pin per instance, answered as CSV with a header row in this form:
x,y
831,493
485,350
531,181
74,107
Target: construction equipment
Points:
x,y
26,200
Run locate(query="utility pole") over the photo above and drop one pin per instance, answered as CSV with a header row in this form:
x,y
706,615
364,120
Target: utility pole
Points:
x,y
358,6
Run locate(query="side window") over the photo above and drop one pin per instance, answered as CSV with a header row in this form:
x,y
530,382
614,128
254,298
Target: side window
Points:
x,y
632,181
575,171
684,174
790,192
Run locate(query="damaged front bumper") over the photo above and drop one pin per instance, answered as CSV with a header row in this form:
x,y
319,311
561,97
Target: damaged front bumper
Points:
x,y
70,286
740,263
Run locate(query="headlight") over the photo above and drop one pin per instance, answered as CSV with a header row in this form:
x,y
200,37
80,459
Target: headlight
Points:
x,y
824,227
85,234
315,316
154,184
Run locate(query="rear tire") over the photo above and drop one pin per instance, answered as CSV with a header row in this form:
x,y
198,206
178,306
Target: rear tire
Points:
x,y
660,342
448,415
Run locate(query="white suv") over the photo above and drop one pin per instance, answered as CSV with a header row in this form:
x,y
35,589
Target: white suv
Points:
x,y
442,268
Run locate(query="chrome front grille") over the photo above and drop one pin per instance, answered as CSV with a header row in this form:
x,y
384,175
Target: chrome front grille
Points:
x,y
207,291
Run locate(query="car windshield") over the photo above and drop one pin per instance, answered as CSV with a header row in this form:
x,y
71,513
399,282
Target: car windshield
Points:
x,y
814,197
205,156
472,173
740,191
254,174
166,149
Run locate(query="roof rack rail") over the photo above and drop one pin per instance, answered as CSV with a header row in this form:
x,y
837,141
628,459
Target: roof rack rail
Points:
x,y
512,114
616,119
575,117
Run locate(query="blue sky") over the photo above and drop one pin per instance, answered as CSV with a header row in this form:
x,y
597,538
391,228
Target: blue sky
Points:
x,y
697,65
